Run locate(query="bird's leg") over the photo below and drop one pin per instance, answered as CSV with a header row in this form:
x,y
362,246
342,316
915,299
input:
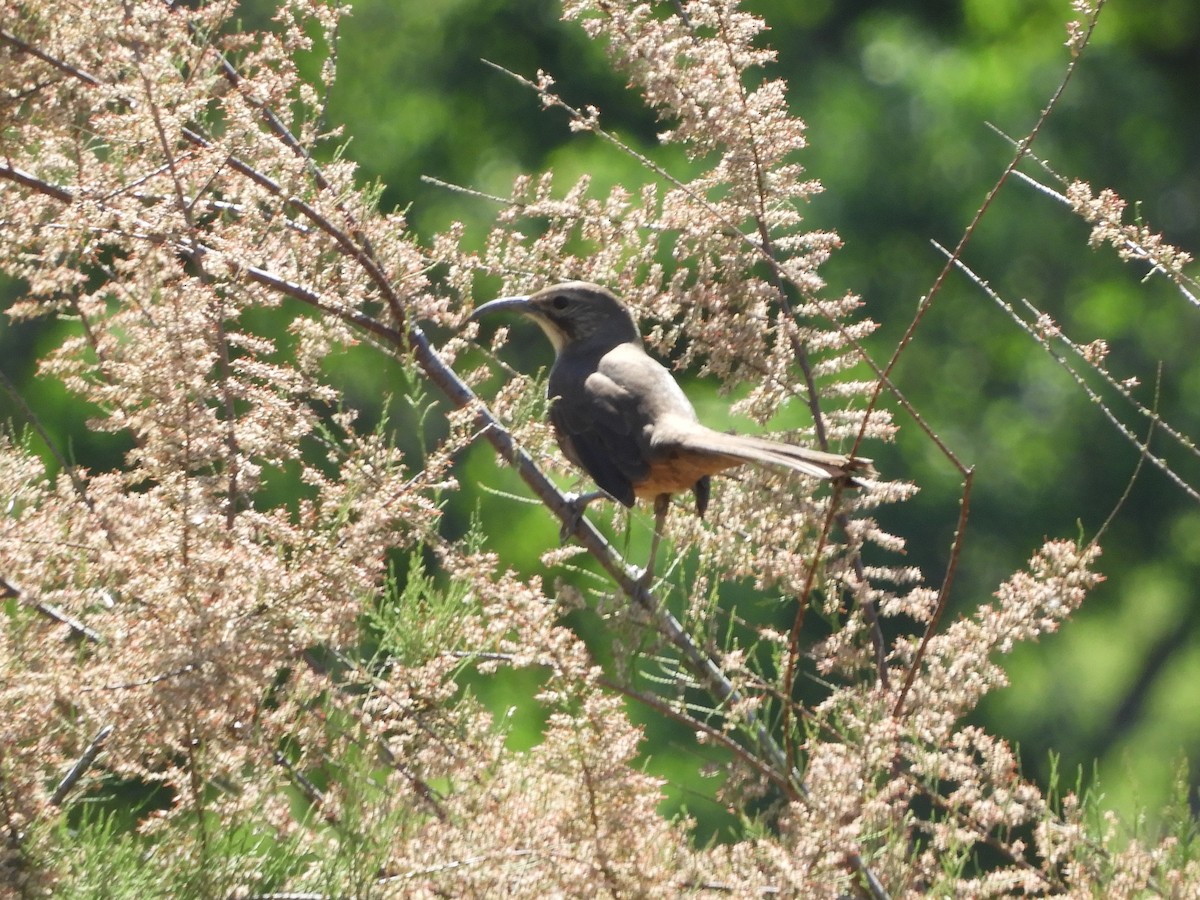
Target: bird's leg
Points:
x,y
662,503
577,504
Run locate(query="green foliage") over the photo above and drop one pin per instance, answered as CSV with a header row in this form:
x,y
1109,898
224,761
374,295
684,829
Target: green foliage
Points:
x,y
417,619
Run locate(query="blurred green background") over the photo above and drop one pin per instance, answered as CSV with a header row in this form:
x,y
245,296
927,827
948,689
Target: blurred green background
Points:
x,y
897,96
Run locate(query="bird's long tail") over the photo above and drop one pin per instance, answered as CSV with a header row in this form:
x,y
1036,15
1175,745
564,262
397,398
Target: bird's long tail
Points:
x,y
815,463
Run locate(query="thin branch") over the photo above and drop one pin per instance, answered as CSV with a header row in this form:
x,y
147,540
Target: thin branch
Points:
x,y
813,398
61,616
185,669
1137,469
1185,284
21,177
11,591
81,766
1141,446
927,301
712,734
313,793
943,597
66,68
36,423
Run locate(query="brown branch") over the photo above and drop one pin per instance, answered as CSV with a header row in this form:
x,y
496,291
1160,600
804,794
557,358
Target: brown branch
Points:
x,y
943,597
953,260
927,301
713,734
813,399
73,71
25,179
81,766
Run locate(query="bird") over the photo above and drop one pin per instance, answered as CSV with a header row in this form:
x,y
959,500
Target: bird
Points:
x,y
620,415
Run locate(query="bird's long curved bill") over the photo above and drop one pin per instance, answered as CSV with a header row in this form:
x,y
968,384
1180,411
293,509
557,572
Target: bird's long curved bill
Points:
x,y
503,304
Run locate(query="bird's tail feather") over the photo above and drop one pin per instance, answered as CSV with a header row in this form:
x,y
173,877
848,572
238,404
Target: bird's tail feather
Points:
x,y
815,463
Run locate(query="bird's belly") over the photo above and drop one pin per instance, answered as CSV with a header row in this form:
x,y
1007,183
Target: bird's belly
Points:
x,y
679,470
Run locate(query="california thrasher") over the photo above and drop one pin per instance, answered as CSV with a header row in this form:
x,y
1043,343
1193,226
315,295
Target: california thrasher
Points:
x,y
621,416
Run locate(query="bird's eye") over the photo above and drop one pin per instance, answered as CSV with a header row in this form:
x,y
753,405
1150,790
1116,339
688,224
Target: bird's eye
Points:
x,y
559,302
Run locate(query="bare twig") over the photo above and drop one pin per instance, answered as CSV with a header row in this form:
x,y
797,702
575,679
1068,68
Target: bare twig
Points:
x,y
943,597
1124,430
66,68
1137,469
81,766
77,627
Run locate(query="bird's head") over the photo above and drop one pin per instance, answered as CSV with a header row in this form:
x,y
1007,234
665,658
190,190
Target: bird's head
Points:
x,y
572,313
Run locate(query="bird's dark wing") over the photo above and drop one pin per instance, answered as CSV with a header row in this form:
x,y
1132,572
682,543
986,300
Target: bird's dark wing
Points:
x,y
597,427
